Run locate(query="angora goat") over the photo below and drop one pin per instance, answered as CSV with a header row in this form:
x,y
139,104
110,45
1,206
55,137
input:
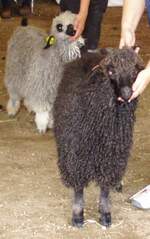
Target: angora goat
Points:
x,y
34,68
93,129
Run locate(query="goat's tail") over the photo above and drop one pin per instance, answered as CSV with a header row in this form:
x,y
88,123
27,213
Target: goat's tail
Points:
x,y
24,21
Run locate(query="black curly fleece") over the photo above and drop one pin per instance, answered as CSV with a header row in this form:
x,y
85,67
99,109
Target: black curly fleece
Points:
x,y
93,129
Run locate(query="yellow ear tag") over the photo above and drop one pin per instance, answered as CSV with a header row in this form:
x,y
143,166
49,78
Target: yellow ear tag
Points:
x,y
51,40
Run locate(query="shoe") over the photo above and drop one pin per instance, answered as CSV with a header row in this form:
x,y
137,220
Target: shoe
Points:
x,y
25,10
6,13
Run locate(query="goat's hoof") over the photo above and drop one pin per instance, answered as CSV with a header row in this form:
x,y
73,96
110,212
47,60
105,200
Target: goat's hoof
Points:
x,y
12,107
105,219
42,128
42,131
119,188
41,120
11,112
77,222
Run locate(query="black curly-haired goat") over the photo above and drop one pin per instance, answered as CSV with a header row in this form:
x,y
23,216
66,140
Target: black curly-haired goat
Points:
x,y
93,129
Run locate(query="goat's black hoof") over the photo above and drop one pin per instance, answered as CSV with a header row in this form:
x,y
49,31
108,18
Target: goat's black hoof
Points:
x,y
119,188
77,222
105,219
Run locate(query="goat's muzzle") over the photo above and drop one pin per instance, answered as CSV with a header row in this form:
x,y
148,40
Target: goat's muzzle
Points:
x,y
126,92
70,30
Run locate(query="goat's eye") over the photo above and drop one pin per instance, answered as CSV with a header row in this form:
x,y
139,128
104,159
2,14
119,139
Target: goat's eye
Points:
x,y
110,73
59,27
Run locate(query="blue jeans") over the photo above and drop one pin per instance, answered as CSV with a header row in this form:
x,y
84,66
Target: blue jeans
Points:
x,y
7,3
147,3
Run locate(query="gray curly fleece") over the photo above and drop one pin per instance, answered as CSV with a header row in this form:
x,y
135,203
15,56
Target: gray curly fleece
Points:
x,y
33,73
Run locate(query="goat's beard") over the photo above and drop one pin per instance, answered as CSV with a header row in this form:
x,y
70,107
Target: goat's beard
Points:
x,y
71,51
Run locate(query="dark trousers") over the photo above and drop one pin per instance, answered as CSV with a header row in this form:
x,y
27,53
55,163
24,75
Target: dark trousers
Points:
x,y
7,3
94,19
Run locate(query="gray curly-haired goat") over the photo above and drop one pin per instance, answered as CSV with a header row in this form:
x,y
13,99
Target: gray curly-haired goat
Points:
x,y
93,129
34,68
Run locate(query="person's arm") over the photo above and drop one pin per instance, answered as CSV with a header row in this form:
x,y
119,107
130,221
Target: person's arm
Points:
x,y
81,17
132,13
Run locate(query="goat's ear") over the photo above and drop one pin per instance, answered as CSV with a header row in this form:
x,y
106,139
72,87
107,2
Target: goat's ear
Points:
x,y
94,76
108,67
103,51
136,49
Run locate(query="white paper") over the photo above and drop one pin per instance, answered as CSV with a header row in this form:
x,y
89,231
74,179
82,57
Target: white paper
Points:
x,y
142,198
115,3
111,3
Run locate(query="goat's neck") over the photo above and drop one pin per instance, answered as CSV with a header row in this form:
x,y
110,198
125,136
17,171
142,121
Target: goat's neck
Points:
x,y
69,51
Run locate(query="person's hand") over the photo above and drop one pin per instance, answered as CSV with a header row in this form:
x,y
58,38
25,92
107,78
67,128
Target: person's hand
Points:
x,y
79,25
127,38
141,83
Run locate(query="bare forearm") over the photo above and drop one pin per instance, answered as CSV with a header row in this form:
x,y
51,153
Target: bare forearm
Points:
x,y
132,13
81,18
148,64
84,6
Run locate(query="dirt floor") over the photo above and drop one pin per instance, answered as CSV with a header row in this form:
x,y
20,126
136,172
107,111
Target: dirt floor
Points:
x,y
33,201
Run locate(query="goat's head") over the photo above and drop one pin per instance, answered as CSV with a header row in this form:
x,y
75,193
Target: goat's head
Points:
x,y
122,67
62,29
62,26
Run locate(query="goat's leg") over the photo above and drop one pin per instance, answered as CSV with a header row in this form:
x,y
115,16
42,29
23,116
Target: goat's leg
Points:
x,y
41,120
27,105
13,105
78,209
119,187
105,219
